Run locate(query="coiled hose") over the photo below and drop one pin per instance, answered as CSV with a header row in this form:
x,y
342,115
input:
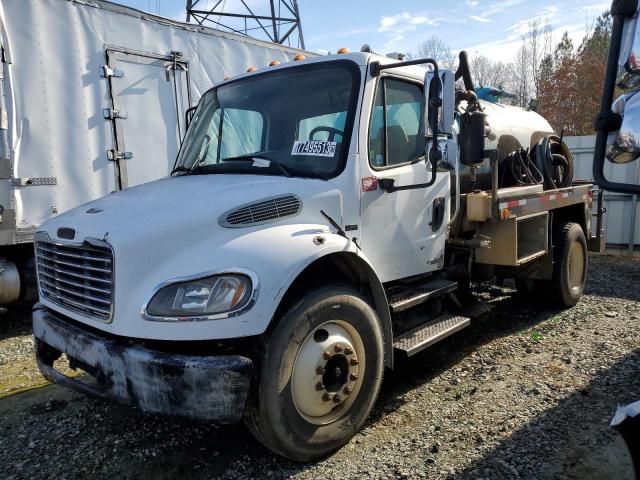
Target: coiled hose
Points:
x,y
550,162
518,168
556,161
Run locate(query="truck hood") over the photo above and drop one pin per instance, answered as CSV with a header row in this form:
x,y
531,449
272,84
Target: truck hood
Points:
x,y
188,208
171,229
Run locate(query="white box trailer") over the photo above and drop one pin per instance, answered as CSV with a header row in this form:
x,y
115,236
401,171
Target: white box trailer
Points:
x,y
93,100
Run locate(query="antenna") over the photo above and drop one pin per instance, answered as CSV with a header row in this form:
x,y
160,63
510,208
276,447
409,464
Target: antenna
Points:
x,y
280,24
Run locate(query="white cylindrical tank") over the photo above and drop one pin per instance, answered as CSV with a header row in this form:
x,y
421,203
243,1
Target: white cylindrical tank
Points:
x,y
506,129
510,128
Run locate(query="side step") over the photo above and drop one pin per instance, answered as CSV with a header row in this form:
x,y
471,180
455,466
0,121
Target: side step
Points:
x,y
425,335
411,298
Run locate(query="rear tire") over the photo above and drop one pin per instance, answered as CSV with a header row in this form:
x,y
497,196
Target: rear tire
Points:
x,y
570,262
320,375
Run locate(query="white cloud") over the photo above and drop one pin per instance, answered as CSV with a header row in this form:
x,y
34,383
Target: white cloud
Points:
x,y
403,22
544,16
394,27
480,19
500,6
492,9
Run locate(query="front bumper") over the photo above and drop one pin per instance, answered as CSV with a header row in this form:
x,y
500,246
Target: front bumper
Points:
x,y
213,388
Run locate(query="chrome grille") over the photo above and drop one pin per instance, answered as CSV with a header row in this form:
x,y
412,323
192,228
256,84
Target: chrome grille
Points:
x,y
260,212
78,277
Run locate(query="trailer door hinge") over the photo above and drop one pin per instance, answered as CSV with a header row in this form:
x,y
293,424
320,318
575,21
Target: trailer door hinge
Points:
x,y
111,114
33,181
106,71
115,155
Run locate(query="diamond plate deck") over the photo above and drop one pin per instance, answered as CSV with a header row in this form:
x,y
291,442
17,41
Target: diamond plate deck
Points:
x,y
425,335
421,294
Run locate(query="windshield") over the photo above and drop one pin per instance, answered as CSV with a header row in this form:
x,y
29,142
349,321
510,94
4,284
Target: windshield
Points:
x,y
295,121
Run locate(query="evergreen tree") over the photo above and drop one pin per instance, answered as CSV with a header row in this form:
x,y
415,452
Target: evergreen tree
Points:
x,y
564,49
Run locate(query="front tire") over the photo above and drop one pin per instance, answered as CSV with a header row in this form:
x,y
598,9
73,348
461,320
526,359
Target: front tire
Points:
x,y
320,375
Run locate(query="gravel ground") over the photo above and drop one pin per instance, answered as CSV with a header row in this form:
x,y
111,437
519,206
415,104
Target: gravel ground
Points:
x,y
525,392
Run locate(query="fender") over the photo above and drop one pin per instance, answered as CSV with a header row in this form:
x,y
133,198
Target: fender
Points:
x,y
341,252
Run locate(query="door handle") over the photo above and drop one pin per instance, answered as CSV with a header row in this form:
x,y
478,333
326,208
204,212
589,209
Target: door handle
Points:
x,y
438,214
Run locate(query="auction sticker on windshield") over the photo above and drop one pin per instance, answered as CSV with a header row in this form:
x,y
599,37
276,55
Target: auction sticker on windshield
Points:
x,y
318,148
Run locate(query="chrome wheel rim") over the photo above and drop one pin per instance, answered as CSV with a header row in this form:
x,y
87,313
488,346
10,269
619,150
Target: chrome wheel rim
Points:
x,y
576,267
328,372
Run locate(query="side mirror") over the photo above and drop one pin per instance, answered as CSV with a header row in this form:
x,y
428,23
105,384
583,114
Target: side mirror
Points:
x,y
623,146
188,116
439,112
442,93
629,58
533,104
616,124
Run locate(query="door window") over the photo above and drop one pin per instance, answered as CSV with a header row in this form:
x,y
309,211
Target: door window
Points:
x,y
396,131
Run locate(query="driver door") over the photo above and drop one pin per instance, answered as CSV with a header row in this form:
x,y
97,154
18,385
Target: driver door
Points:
x,y
403,232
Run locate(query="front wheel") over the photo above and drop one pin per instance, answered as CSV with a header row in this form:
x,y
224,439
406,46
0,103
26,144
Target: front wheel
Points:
x,y
320,375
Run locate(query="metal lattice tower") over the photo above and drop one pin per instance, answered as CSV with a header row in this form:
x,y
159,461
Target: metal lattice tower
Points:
x,y
275,20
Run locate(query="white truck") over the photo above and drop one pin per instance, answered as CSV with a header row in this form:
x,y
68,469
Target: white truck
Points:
x,y
93,98
323,217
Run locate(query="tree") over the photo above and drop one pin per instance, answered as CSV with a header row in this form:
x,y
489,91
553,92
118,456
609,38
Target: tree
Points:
x,y
546,70
537,40
438,50
520,74
486,72
564,49
590,70
570,94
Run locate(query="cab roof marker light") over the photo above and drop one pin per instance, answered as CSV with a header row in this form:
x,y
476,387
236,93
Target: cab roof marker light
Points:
x,y
274,63
299,57
343,50
252,69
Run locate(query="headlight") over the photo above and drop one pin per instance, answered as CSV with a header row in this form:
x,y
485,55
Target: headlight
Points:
x,y
202,297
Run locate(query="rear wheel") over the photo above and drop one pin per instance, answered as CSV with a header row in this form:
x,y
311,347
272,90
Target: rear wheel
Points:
x,y
569,270
320,375
569,264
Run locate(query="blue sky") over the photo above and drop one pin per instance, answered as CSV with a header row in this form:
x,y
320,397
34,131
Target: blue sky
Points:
x,y
490,27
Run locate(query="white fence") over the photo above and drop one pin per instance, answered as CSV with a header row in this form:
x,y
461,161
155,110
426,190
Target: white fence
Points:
x,y
621,222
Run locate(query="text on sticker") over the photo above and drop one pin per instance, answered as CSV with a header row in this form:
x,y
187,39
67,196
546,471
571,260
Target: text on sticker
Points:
x,y
318,148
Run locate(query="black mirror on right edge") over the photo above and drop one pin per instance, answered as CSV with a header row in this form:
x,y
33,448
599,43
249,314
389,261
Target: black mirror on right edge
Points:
x,y
618,123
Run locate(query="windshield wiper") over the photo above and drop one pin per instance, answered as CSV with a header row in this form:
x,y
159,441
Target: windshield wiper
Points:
x,y
246,158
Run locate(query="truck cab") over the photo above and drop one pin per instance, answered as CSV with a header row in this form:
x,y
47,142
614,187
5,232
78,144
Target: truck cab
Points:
x,y
313,227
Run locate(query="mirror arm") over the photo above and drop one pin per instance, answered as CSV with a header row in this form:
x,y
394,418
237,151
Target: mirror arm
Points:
x,y
188,116
388,184
464,71
620,10
376,67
